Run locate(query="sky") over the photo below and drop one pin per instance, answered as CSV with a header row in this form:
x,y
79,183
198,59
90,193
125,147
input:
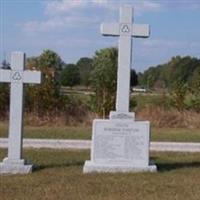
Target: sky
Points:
x,y
71,28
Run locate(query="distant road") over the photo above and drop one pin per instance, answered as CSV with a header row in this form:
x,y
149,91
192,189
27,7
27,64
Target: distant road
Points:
x,y
86,144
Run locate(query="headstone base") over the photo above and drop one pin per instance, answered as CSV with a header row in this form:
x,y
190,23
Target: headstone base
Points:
x,y
15,167
90,167
120,145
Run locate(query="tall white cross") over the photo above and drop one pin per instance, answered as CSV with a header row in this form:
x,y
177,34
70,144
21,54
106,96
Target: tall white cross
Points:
x,y
125,30
17,77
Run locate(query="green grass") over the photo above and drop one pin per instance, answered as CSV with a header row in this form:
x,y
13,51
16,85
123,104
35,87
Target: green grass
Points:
x,y
149,99
66,132
175,134
59,176
63,132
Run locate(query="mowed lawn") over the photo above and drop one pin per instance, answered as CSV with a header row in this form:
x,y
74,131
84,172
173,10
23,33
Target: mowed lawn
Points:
x,y
67,132
58,176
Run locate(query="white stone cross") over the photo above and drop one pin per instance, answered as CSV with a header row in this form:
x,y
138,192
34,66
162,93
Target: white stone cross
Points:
x,y
125,30
17,76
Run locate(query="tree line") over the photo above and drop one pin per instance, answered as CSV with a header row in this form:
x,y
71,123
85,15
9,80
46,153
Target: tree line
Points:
x,y
178,69
98,73
180,77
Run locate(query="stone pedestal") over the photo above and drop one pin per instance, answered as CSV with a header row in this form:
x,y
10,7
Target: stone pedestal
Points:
x,y
9,166
120,145
90,167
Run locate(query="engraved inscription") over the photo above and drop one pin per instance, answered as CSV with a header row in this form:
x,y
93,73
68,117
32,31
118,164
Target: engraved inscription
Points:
x,y
122,116
121,142
112,147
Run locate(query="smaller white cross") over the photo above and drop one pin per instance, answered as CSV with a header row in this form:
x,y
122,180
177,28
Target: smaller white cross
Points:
x,y
125,30
17,76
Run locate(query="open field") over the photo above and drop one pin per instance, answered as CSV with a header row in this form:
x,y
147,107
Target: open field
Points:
x,y
67,132
60,132
175,135
58,175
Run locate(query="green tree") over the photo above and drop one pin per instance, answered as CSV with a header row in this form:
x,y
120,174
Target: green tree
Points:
x,y
50,59
178,95
4,99
195,89
104,80
70,75
45,98
178,68
4,91
85,67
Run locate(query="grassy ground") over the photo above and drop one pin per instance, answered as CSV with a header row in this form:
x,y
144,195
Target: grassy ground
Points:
x,y
175,134
158,134
61,132
145,99
59,176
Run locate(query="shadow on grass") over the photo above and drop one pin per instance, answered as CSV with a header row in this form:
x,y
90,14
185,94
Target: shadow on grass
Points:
x,y
57,165
163,167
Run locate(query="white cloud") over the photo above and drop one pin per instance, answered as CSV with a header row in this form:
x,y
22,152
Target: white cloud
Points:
x,y
65,6
147,6
65,13
59,7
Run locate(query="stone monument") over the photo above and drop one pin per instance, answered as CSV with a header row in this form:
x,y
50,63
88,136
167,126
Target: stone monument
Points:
x,y
121,144
17,76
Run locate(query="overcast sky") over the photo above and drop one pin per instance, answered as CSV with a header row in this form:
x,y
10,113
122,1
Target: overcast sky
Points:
x,y
72,28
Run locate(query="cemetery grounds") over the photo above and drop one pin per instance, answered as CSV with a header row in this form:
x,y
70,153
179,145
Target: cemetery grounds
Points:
x,y
58,173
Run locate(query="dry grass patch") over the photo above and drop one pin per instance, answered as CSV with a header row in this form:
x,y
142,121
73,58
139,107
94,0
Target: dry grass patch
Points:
x,y
160,117
79,118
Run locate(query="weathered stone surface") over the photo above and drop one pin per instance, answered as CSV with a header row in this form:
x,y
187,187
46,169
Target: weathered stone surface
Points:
x,y
119,145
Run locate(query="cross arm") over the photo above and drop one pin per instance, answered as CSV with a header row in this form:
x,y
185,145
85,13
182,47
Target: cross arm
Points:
x,y
140,30
32,77
110,29
5,75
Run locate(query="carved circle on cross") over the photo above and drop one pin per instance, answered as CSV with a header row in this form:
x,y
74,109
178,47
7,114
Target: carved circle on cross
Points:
x,y
125,28
17,76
